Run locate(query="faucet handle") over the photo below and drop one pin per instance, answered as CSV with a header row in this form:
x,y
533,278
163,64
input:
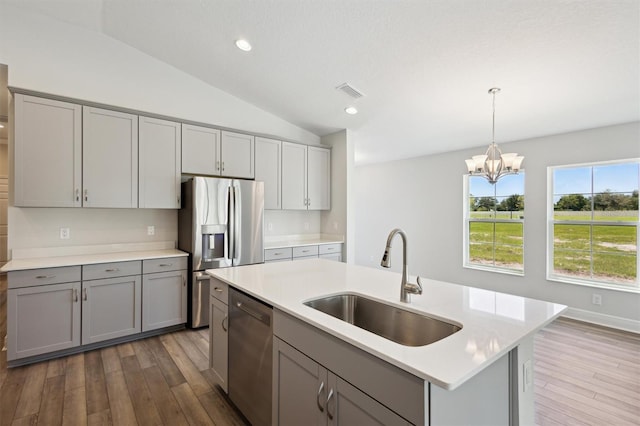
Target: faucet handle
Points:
x,y
414,288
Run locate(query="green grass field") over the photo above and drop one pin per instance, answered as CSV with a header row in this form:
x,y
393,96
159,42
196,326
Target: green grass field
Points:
x,y
600,252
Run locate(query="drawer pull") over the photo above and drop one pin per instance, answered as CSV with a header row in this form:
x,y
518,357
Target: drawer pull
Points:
x,y
329,248
45,277
112,270
225,327
320,407
218,289
75,295
164,265
278,254
84,294
305,251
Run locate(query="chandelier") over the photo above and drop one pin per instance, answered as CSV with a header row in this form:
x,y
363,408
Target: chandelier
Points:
x,y
494,164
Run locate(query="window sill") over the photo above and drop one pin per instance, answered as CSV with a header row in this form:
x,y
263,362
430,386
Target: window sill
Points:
x,y
494,269
594,284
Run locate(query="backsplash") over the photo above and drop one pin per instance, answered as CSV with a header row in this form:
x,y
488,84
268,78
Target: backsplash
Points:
x,y
291,222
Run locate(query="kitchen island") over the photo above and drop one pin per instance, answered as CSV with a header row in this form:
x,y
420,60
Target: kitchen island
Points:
x,y
482,374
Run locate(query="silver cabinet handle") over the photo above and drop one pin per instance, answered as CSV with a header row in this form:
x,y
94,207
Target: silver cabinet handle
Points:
x,y
225,328
86,195
308,202
277,254
165,265
45,277
320,407
112,270
305,251
75,295
329,248
329,413
223,166
184,282
218,289
77,194
217,165
84,294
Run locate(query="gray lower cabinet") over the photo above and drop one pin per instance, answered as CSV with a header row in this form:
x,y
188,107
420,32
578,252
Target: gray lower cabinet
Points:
x,y
42,319
219,342
56,309
307,393
164,299
218,332
110,308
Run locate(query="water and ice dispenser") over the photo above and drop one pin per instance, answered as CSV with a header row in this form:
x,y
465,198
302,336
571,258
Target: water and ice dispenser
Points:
x,y
213,242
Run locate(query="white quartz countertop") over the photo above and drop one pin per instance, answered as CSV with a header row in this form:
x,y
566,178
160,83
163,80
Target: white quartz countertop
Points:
x,y
492,323
88,259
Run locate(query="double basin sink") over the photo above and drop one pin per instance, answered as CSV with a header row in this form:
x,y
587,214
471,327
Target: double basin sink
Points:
x,y
399,325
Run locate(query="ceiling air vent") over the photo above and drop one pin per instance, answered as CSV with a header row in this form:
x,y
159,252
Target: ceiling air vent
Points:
x,y
350,91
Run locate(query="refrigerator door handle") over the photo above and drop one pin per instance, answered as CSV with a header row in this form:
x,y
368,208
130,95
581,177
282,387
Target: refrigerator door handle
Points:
x,y
236,221
229,240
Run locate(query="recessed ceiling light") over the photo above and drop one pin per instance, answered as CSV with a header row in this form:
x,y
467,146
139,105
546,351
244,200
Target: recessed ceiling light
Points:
x,y
243,45
1,126
351,110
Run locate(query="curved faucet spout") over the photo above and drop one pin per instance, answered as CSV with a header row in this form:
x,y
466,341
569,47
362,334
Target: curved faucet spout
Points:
x,y
406,289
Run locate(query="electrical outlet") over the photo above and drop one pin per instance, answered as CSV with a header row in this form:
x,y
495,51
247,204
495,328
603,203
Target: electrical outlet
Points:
x,y
596,299
65,233
306,226
335,226
151,230
270,226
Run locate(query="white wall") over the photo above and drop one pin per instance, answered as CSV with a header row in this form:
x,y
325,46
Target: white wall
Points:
x,y
424,197
339,220
53,57
291,222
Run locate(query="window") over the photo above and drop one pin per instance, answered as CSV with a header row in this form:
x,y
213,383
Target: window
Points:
x,y
494,224
593,224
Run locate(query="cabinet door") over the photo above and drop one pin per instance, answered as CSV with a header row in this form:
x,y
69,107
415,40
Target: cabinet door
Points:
x,y
348,405
268,171
200,150
48,149
159,164
300,388
219,342
164,298
319,178
294,176
333,256
109,158
110,308
42,319
238,155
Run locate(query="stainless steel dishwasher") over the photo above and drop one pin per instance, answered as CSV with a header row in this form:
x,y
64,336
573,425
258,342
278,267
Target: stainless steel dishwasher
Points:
x,y
250,356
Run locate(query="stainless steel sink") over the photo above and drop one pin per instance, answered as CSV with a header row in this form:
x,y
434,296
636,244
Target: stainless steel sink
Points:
x,y
399,325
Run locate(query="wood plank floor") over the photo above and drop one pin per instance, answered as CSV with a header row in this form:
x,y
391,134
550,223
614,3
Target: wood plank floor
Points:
x,y
584,375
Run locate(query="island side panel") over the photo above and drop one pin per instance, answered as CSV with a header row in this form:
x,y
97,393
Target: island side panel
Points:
x,y
482,400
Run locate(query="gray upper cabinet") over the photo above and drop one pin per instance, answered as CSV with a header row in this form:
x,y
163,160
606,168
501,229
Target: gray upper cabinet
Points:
x,y
294,176
159,163
306,177
238,152
268,171
109,158
48,143
318,178
200,150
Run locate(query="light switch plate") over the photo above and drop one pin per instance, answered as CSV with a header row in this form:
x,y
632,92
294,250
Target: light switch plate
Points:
x,y
151,230
527,376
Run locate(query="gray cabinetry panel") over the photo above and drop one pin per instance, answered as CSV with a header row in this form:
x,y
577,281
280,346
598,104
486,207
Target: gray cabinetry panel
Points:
x,y
110,270
110,308
164,299
219,342
42,319
44,276
48,142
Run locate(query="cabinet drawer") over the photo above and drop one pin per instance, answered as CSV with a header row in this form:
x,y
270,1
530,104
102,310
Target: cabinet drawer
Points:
x,y
34,277
277,253
330,248
305,251
163,265
219,290
111,270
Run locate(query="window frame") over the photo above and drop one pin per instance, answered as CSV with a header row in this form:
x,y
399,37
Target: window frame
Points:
x,y
551,222
466,220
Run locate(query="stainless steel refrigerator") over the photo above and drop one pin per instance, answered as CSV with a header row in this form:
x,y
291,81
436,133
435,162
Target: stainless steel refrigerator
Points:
x,y
220,224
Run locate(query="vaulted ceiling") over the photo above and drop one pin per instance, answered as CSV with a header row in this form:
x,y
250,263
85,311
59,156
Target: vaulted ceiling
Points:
x,y
424,66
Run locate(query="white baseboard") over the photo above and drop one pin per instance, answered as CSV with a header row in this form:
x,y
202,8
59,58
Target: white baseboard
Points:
x,y
602,319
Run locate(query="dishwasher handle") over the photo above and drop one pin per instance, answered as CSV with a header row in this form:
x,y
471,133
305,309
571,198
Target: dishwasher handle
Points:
x,y
257,315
